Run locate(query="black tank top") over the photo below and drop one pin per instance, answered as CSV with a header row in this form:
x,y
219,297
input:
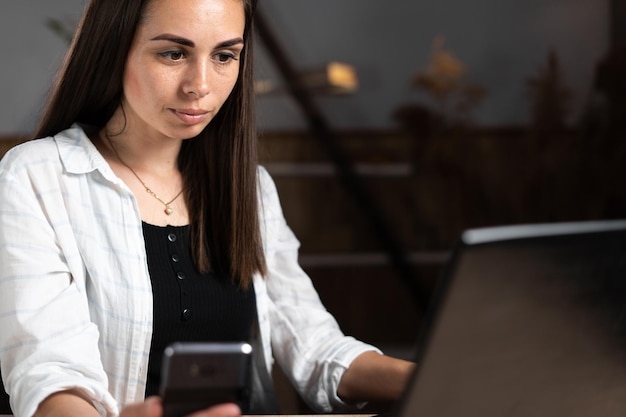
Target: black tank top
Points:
x,y
189,306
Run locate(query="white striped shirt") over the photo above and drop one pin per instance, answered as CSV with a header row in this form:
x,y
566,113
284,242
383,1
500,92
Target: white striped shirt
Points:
x,y
75,294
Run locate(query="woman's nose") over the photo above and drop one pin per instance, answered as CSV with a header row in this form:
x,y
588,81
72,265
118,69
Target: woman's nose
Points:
x,y
197,81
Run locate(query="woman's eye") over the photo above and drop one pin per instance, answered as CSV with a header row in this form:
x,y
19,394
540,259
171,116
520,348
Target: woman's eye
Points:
x,y
225,57
173,55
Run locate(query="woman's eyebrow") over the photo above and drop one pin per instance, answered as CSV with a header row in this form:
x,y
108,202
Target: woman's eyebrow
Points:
x,y
175,39
231,42
186,42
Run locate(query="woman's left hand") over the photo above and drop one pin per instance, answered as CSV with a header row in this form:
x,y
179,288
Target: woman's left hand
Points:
x,y
375,377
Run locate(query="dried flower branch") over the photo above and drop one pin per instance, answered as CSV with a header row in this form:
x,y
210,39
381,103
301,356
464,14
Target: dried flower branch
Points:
x,y
550,98
444,81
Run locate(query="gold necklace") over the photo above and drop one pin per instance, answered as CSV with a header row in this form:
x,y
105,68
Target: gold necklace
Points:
x,y
168,209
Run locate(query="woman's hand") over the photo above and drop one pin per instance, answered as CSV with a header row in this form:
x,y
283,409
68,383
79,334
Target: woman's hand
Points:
x,y
69,404
152,407
375,377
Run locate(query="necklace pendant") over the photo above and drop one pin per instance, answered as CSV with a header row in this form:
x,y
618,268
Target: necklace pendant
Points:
x,y
168,210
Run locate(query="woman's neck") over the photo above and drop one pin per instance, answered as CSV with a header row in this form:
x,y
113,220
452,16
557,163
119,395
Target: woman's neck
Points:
x,y
140,146
148,165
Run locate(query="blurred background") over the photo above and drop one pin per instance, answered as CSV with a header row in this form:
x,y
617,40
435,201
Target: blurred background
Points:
x,y
390,127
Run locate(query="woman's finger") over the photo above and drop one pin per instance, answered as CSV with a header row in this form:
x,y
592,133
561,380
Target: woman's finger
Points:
x,y
151,407
221,410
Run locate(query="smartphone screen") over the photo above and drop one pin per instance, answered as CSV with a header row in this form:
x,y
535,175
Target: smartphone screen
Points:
x,y
198,375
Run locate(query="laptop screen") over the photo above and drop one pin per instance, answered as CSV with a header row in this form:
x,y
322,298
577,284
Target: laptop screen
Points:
x,y
529,321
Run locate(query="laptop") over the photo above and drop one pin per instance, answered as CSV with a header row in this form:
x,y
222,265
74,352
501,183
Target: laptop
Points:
x,y
529,320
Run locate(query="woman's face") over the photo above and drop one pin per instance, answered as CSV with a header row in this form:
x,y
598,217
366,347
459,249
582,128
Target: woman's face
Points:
x,y
182,65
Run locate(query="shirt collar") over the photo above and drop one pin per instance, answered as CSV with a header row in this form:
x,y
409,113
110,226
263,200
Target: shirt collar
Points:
x,y
79,155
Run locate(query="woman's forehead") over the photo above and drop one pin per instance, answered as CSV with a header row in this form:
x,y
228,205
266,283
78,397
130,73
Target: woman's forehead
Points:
x,y
194,16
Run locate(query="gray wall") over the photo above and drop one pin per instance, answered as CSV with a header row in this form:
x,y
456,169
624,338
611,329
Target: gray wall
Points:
x,y
503,42
30,56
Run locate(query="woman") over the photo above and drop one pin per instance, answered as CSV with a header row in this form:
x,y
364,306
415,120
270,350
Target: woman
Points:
x,y
137,220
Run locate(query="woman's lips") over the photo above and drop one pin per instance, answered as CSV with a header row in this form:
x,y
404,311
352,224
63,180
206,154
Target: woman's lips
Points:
x,y
191,116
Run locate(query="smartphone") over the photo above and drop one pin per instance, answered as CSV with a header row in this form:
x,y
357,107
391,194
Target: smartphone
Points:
x,y
198,375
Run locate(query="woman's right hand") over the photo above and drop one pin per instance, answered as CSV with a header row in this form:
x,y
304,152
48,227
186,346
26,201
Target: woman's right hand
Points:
x,y
70,404
152,407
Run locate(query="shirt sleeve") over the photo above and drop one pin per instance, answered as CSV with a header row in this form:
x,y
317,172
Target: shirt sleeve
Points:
x,y
307,341
47,341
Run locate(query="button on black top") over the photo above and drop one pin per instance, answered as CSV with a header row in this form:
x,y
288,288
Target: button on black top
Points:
x,y
188,305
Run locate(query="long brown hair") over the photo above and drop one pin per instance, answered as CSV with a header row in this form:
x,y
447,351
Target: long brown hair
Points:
x,y
219,166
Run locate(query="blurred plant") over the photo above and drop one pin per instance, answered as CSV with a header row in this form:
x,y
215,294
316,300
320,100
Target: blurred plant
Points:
x,y
64,30
444,82
550,98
